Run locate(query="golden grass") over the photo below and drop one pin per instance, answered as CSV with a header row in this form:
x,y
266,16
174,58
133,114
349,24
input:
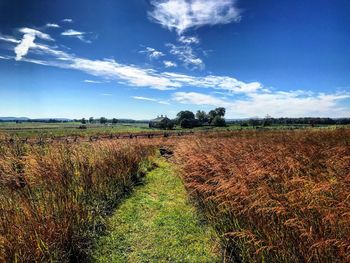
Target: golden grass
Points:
x,y
52,197
274,196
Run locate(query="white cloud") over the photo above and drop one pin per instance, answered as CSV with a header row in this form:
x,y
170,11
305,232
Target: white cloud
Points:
x,y
188,40
72,32
242,99
182,15
197,99
77,34
277,104
52,25
106,94
150,99
169,64
27,41
67,20
152,53
143,98
9,39
93,81
186,54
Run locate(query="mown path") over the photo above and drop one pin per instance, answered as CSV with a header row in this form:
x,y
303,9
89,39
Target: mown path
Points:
x,y
157,224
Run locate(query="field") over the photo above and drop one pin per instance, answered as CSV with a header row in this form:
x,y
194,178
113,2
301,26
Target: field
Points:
x,y
270,195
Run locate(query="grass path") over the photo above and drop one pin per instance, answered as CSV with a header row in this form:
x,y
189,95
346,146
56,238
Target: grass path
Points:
x,y
157,224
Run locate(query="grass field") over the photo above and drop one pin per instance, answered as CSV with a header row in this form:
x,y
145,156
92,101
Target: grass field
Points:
x,y
271,195
53,130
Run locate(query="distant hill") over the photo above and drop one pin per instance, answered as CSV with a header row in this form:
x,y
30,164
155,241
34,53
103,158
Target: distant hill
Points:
x,y
29,119
14,119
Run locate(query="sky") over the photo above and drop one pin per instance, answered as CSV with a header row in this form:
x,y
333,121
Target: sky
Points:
x,y
142,58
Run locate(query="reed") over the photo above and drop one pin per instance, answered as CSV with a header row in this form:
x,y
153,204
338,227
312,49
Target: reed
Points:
x,y
273,196
53,197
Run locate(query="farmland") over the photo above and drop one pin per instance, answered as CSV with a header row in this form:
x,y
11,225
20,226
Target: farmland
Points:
x,y
242,195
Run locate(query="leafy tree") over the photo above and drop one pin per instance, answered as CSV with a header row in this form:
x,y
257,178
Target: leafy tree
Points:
x,y
91,120
103,120
202,116
184,115
218,121
114,121
83,121
220,111
189,123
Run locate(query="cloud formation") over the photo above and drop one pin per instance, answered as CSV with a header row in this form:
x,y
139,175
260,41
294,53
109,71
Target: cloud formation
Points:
x,y
182,15
169,64
52,25
67,20
186,54
27,41
77,34
152,53
277,104
242,99
150,99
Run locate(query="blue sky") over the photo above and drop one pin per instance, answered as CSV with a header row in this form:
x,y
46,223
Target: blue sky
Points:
x,y
142,58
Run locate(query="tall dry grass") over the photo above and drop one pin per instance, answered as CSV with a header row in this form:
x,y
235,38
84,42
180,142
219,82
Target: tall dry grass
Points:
x,y
53,197
274,196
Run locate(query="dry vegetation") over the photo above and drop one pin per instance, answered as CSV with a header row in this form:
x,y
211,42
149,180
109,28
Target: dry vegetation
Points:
x,y
274,196
53,197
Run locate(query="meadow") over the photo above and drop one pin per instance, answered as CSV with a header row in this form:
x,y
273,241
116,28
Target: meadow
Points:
x,y
270,195
273,196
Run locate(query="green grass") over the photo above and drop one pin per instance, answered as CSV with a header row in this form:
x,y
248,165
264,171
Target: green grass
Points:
x,y
34,130
157,224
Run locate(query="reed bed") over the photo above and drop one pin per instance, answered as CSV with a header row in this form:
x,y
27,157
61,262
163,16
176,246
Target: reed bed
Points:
x,y
53,197
273,196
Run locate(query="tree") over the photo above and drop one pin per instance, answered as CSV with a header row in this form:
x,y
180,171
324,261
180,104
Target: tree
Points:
x,y
202,116
83,121
184,115
91,120
219,121
103,120
189,123
114,121
220,111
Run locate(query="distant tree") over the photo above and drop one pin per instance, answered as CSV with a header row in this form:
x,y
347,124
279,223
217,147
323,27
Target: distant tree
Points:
x,y
218,121
184,115
83,121
114,121
202,116
220,111
217,112
91,120
189,123
103,120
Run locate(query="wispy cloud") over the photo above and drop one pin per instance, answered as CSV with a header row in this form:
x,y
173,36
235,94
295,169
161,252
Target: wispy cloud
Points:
x,y
242,99
186,54
182,15
27,41
9,39
67,20
77,34
152,53
94,81
150,99
169,64
52,25
188,40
